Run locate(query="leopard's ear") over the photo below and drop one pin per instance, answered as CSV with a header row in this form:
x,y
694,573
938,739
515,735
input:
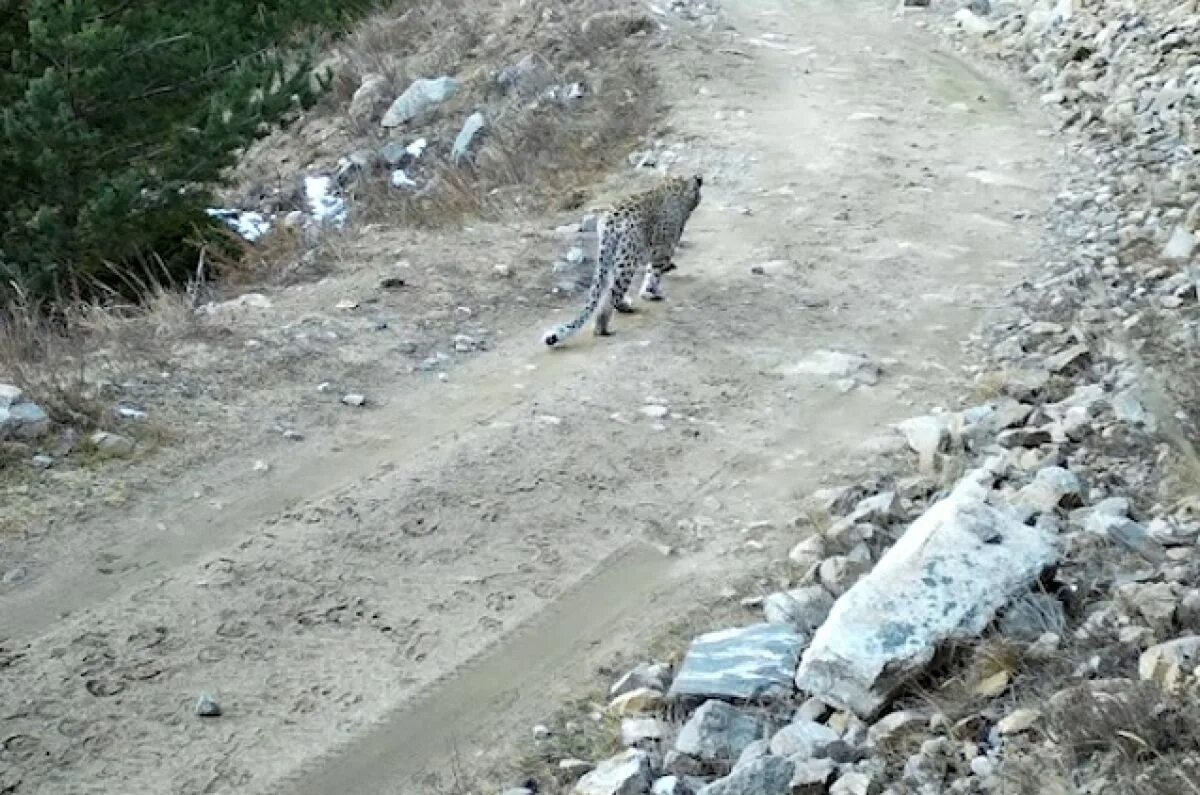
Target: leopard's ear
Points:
x,y
698,179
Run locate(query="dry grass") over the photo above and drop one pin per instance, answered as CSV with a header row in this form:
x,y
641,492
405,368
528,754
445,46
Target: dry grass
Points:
x,y
47,363
541,148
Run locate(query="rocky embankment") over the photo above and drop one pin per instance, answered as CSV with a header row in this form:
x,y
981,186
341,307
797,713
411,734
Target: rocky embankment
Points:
x,y
1018,611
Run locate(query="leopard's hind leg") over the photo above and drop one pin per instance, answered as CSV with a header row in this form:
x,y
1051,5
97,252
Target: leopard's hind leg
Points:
x,y
652,285
623,269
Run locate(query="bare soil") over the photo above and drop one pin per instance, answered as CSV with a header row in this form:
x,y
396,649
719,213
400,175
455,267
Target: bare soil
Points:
x,y
412,584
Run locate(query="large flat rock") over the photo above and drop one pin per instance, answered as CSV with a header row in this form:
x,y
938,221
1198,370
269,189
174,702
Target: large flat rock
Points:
x,y
944,579
743,664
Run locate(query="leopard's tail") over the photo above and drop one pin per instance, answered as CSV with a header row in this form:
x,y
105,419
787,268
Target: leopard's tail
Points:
x,y
600,283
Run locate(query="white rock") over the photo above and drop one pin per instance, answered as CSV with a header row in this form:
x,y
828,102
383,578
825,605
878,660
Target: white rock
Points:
x,y
890,725
944,579
1180,245
637,731
855,783
926,436
971,22
419,97
9,395
809,553
1018,721
803,740
624,774
112,444
834,365
1050,488
812,773
653,676
1170,665
768,775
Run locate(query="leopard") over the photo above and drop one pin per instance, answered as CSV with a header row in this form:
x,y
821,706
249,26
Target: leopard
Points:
x,y
642,228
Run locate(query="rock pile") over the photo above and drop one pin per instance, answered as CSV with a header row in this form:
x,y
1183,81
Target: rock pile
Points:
x,y
1048,598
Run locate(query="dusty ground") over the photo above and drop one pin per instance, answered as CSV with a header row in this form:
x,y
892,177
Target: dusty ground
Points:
x,y
416,578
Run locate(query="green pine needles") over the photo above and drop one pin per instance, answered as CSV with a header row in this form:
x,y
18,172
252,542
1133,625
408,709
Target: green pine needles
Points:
x,y
116,117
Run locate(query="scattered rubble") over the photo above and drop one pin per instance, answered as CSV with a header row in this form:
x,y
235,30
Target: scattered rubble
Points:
x,y
1044,530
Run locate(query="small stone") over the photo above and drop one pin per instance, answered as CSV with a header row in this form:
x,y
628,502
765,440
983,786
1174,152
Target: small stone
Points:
x,y
983,767
368,97
768,775
207,706
835,365
1051,488
643,732
1154,602
840,572
111,444
468,137
926,436
1018,721
625,774
971,23
812,709
41,461
812,773
655,412
855,783
809,553
993,685
542,732
126,412
9,396
636,702
1180,245
354,399
669,785
889,726
718,732
1068,358
1170,665
653,676
803,740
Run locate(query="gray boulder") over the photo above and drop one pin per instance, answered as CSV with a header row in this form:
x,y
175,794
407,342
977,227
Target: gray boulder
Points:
x,y
623,774
944,579
418,98
718,732
24,421
768,775
748,663
464,144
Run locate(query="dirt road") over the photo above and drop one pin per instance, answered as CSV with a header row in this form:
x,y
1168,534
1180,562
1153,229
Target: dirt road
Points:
x,y
455,563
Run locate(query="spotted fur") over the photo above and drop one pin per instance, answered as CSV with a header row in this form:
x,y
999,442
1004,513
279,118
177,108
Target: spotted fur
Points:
x,y
642,229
